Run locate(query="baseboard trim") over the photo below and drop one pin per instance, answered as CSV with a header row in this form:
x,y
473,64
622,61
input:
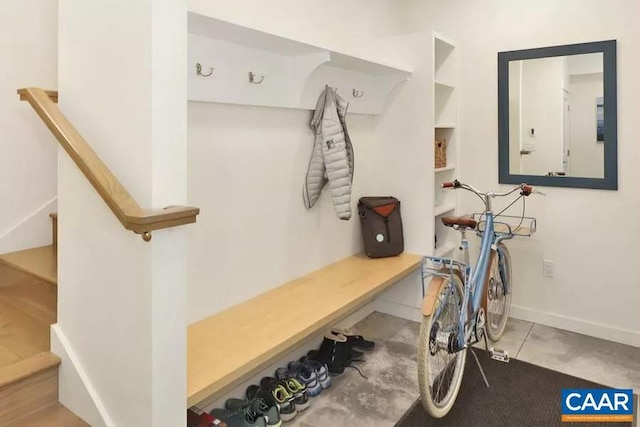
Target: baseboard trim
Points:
x,y
399,310
585,327
76,390
32,231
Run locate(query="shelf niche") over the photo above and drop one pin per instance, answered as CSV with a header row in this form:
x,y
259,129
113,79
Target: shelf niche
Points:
x,y
291,74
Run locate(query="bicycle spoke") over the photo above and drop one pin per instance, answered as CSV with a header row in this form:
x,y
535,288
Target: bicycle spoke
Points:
x,y
443,362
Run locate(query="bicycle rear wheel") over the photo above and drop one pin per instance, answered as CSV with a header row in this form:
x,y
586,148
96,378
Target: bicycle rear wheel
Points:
x,y
440,372
497,301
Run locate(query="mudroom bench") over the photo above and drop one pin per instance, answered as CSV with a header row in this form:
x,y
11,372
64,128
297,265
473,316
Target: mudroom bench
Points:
x,y
231,346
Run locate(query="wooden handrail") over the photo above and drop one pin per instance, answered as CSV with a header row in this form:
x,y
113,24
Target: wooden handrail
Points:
x,y
125,208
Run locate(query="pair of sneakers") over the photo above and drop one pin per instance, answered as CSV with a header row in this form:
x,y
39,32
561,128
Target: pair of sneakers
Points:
x,y
248,413
313,374
288,397
288,389
338,351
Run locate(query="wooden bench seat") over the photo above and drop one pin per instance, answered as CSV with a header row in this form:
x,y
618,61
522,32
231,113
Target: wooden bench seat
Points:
x,y
231,346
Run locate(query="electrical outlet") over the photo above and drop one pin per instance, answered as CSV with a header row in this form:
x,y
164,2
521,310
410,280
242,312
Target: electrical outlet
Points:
x,y
547,268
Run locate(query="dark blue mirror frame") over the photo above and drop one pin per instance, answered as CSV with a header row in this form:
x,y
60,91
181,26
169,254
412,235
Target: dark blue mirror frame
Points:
x,y
610,180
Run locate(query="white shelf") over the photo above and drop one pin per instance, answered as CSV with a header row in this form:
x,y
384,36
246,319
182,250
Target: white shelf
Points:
x,y
445,250
443,209
445,117
442,42
446,85
294,73
445,169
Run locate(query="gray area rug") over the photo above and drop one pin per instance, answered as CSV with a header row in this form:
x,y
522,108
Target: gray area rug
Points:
x,y
390,389
521,394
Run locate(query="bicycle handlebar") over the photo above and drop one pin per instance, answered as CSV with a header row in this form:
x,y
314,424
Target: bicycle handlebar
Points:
x,y
525,190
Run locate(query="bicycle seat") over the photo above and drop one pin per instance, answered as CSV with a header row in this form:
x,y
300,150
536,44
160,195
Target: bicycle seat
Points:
x,y
459,221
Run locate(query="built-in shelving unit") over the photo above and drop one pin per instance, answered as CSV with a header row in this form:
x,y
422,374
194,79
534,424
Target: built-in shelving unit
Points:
x,y
228,63
445,107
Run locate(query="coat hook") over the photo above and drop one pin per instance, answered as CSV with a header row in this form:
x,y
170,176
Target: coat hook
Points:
x,y
253,78
199,70
358,93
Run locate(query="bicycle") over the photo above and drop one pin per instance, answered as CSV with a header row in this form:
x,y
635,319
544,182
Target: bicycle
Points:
x,y
463,304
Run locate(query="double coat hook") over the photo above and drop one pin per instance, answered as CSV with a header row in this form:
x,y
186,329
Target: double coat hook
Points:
x,y
357,93
199,70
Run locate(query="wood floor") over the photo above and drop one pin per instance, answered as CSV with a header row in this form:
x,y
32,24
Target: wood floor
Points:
x,y
54,416
27,309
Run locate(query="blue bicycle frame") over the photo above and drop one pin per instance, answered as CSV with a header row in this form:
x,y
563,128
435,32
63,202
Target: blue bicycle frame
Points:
x,y
477,276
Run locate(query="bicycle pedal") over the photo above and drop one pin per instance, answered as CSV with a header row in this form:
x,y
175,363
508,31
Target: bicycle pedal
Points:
x,y
499,355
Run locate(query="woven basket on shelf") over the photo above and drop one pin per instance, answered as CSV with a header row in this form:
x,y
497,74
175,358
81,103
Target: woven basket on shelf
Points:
x,y
441,153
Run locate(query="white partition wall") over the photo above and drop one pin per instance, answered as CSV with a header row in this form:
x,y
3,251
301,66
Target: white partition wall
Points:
x,y
121,328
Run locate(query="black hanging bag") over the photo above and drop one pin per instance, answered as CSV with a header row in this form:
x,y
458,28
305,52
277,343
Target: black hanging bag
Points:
x,y
381,226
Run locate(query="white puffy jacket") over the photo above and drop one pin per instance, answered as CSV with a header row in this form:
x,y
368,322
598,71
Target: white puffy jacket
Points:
x,y
332,156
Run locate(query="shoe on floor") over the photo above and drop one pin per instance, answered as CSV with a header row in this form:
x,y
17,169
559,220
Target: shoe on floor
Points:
x,y
299,392
295,389
241,418
306,375
334,352
258,406
321,370
356,341
281,395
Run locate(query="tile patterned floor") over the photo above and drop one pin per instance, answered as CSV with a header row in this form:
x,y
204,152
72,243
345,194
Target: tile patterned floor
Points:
x,y
392,385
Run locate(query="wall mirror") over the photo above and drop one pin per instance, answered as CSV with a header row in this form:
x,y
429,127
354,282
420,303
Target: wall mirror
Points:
x,y
557,116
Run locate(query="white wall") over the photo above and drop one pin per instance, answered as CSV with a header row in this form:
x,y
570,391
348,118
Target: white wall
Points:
x,y
585,64
541,110
587,154
404,159
334,24
122,301
247,166
246,170
28,52
580,230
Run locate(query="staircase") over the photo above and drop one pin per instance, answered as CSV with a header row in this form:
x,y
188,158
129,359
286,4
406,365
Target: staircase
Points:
x,y
28,370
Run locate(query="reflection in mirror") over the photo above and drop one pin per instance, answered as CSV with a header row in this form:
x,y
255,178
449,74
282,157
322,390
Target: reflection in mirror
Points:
x,y
556,116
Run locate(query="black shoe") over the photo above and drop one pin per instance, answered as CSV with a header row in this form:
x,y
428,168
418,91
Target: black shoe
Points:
x,y
274,397
241,418
295,387
356,341
279,395
336,353
259,406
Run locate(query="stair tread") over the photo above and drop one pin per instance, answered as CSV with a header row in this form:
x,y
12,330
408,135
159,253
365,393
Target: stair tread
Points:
x,y
39,262
56,415
28,367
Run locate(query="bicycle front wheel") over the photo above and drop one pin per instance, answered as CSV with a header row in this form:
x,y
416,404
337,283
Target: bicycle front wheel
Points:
x,y
497,300
439,371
